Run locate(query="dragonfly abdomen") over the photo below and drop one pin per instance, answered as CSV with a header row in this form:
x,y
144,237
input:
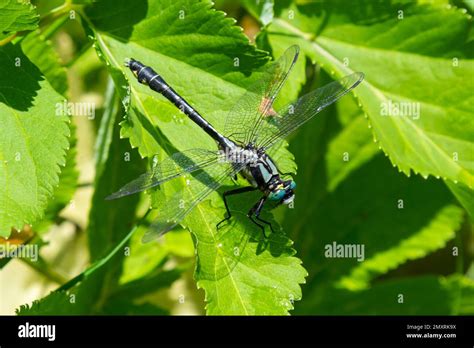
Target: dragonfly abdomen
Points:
x,y
148,76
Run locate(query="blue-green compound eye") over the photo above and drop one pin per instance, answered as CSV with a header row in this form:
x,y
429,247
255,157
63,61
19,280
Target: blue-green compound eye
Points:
x,y
276,196
292,185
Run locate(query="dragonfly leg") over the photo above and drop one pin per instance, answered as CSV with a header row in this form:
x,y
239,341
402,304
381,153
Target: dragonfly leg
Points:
x,y
255,210
256,223
233,192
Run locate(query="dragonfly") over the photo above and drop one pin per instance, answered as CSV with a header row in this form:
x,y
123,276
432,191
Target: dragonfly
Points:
x,y
252,128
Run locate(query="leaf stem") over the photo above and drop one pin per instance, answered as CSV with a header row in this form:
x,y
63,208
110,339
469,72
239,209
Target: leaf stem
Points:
x,y
85,184
8,39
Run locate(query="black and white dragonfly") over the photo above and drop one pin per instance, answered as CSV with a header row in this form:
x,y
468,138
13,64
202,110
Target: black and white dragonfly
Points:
x,y
252,127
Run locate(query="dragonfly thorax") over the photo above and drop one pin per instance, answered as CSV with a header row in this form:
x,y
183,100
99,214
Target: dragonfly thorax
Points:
x,y
261,172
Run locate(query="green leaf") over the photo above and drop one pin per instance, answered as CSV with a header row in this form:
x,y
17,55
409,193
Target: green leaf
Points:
x,y
16,16
142,258
77,299
431,237
124,300
424,295
155,280
412,62
42,54
64,192
209,62
350,148
375,207
179,243
234,262
33,140
145,257
119,166
395,219
240,275
469,4
127,307
464,195
110,221
108,235
56,303
105,133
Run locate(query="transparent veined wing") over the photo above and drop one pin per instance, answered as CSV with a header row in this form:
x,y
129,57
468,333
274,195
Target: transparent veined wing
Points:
x,y
197,188
293,115
245,117
172,167
223,247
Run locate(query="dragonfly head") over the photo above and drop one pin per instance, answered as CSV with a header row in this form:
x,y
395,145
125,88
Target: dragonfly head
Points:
x,y
284,192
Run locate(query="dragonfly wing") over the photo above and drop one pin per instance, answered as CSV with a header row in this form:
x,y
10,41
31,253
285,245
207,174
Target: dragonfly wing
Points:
x,y
295,114
243,120
197,188
172,167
